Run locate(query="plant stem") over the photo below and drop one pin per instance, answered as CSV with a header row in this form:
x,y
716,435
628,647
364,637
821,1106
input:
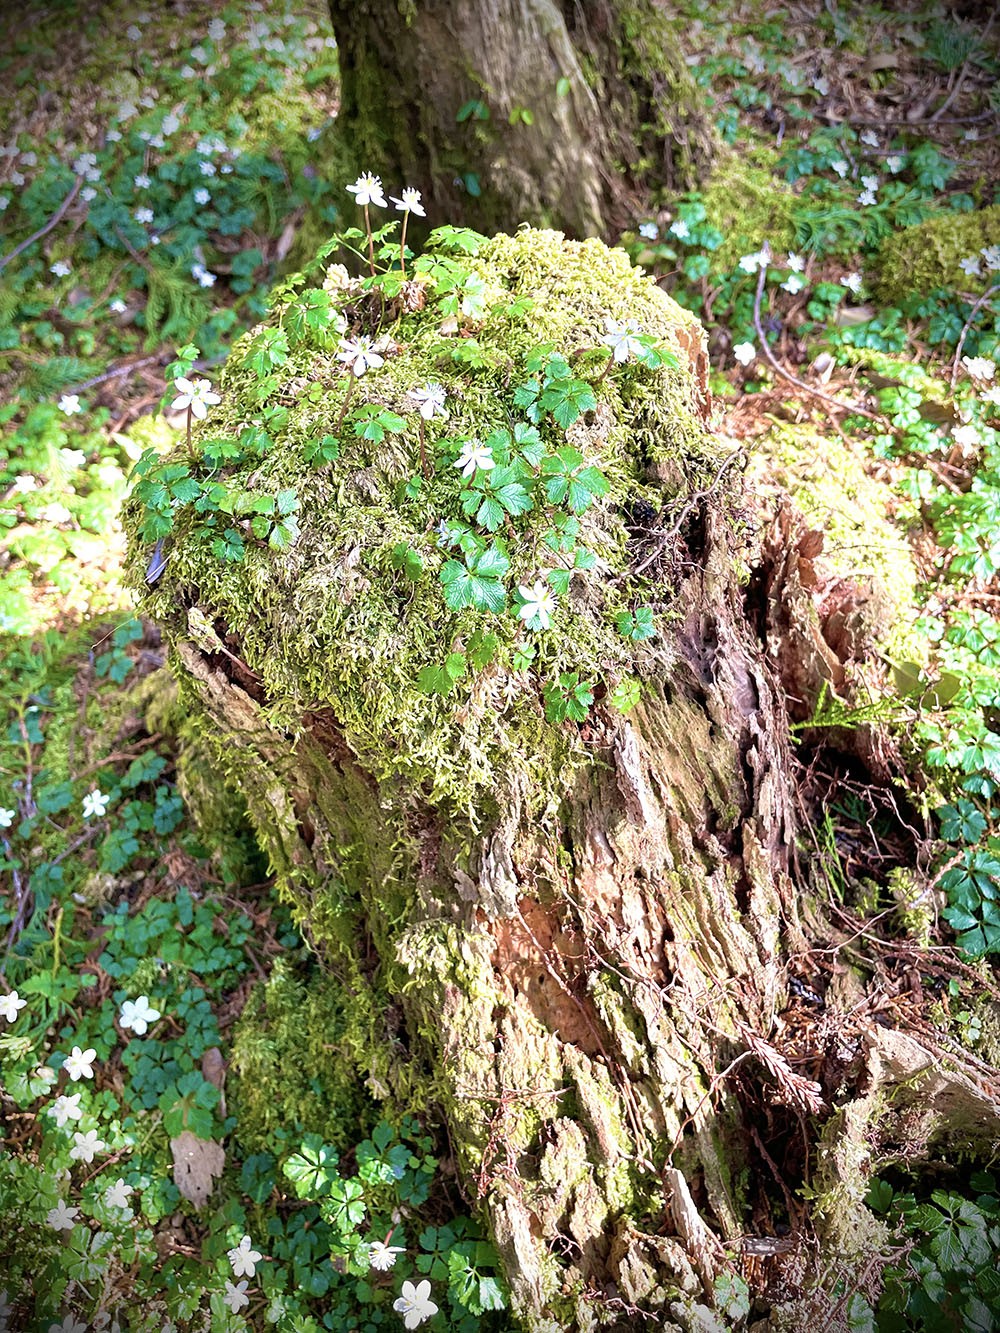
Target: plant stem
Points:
x,y
371,243
402,265
344,405
424,464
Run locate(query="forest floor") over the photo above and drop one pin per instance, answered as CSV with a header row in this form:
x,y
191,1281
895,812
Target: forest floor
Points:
x,y
161,172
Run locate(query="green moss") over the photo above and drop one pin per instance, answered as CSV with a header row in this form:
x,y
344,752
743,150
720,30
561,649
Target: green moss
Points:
x,y
284,1076
917,260
864,540
748,204
334,624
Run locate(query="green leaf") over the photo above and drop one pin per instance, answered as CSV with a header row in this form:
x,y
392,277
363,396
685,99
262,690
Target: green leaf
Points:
x,y
626,694
441,679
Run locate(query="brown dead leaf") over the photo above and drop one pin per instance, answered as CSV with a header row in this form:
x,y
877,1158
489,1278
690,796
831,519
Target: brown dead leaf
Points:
x,y
197,1162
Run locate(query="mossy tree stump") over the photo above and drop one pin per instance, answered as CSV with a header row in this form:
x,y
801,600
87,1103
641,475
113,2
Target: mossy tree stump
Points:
x,y
554,935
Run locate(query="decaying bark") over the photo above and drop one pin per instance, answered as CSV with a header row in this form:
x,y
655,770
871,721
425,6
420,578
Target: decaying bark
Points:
x,y
574,105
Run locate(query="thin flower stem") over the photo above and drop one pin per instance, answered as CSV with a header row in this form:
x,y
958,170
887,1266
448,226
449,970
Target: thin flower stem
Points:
x,y
402,265
344,406
424,464
371,243
189,448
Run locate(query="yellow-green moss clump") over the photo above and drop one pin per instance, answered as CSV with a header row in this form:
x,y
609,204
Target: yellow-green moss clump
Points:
x,y
864,539
337,622
748,204
919,259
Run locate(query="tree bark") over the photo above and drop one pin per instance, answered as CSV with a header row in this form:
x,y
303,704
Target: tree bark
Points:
x,y
575,108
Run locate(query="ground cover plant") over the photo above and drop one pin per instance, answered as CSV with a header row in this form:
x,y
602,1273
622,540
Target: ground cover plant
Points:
x,y
180,1147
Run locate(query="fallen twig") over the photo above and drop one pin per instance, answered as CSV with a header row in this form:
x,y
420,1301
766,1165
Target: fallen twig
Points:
x,y
43,231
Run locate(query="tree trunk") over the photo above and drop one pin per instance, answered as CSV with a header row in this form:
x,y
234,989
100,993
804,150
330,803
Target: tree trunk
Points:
x,y
568,940
519,110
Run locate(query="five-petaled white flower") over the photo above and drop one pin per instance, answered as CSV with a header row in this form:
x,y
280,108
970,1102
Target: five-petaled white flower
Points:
x,y
61,268
142,181
680,229
7,817
409,203
244,1258
367,189
967,436
970,267
202,276
70,404
144,215
870,182
65,1108
852,281
95,803
622,339
796,263
870,138
414,1304
85,1146
793,283
116,1195
62,1217
840,166
236,1297
430,400
866,198
80,1064
117,306
979,367
751,263
196,397
360,355
992,395
991,257
217,30
649,231
539,605
474,455
202,196
138,1014
11,1005
895,163
744,353
382,1256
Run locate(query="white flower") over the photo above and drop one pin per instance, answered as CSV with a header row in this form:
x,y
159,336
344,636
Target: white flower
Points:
x,y
430,400
138,1014
88,194
202,196
207,168
113,136
360,355
793,283
621,338
367,189
171,124
70,404
970,267
991,257
966,436
244,1258
142,181
979,367
196,397
72,459
796,263
474,455
852,281
870,182
409,203
133,33
61,1218
744,353
187,72
70,1324
56,513
971,135
66,1108
202,276
144,215
116,1195
85,1146
751,263
414,1304
870,138
539,604
84,162
649,231
895,163
680,229
80,1064
992,395
117,306
7,816
11,1005
382,1256
16,178
235,1297
95,803
867,198
4,202
127,110
61,268
840,167
217,30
